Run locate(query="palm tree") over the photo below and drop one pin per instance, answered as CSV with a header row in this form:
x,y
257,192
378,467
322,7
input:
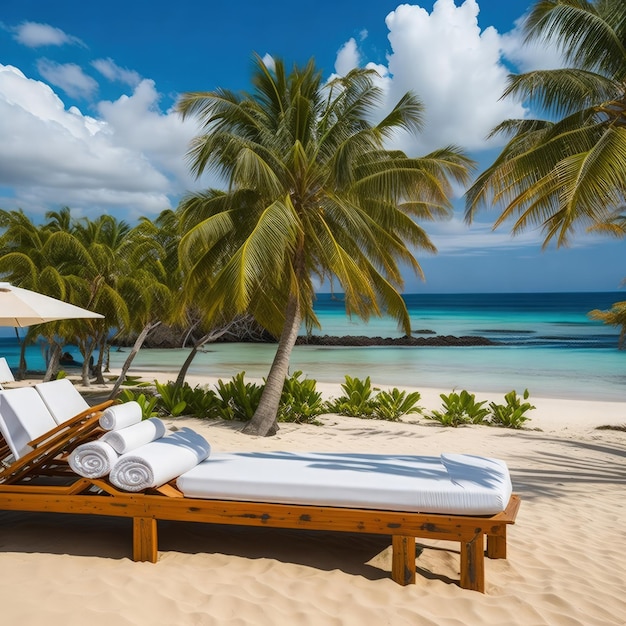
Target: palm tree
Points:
x,y
615,316
569,170
312,194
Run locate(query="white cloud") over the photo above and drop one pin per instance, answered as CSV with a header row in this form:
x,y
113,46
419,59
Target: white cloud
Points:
x,y
348,57
69,77
130,162
530,56
268,61
34,35
109,69
454,68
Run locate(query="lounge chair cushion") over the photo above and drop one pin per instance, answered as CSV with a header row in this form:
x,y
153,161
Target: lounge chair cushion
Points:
x,y
475,486
23,417
62,399
6,375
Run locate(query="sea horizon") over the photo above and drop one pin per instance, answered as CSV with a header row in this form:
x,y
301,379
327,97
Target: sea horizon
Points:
x,y
545,342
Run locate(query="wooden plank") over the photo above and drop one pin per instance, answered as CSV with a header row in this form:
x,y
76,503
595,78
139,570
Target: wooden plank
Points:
x,y
145,539
473,563
403,559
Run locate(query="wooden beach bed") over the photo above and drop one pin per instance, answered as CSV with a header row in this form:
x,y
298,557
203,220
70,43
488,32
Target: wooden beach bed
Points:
x,y
42,481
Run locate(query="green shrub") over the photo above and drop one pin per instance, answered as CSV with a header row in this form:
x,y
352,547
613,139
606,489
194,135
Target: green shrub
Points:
x,y
357,400
300,402
392,405
147,402
171,397
460,408
511,414
236,399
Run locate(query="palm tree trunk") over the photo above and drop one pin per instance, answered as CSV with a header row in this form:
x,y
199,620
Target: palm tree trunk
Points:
x,y
132,354
263,422
53,362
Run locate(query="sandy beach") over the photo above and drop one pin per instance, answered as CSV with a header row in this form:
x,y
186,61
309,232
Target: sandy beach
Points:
x,y
565,553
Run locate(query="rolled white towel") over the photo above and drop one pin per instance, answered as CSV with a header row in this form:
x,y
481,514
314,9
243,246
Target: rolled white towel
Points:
x,y
93,459
131,437
158,462
121,416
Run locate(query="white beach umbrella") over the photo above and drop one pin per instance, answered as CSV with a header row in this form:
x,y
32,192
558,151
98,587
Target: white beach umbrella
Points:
x,y
21,307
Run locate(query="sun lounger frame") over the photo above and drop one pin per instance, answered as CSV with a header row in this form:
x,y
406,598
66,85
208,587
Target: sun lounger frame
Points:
x,y
21,489
169,504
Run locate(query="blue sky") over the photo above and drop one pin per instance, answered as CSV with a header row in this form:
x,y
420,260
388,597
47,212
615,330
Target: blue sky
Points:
x,y
87,90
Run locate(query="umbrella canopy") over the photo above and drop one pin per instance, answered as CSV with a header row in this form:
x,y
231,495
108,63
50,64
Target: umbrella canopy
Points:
x,y
21,307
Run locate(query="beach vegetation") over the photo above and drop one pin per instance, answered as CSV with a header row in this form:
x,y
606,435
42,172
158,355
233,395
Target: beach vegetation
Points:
x,y
459,409
512,414
360,399
146,400
312,194
568,169
393,404
357,399
238,399
300,401
171,397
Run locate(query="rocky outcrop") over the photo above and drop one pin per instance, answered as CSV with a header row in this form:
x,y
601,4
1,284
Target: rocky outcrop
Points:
x,y
361,340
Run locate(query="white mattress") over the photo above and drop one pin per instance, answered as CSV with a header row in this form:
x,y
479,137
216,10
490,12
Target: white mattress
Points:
x,y
453,483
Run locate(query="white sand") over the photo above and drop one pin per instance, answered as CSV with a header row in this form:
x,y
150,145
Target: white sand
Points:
x,y
565,553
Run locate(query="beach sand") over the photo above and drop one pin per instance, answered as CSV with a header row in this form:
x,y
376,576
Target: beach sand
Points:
x,y
565,560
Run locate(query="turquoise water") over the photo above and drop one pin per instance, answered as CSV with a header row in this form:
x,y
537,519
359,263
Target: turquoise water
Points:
x,y
546,344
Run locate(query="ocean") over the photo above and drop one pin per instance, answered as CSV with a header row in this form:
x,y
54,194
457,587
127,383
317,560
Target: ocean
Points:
x,y
546,343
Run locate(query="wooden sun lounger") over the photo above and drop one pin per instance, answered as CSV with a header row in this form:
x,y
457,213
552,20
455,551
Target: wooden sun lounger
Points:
x,y
99,497
25,485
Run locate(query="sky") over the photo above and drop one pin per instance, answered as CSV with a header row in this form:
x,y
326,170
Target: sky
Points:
x,y
88,90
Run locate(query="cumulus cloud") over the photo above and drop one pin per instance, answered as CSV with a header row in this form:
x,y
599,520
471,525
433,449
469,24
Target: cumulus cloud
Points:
x,y
129,162
109,69
35,35
348,57
536,55
454,68
69,77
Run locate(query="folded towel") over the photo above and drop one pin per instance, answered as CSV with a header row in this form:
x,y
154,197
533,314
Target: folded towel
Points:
x,y
93,459
131,437
158,462
121,416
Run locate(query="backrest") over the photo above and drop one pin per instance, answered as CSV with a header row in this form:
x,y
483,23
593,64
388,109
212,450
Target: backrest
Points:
x,y
6,375
62,399
23,417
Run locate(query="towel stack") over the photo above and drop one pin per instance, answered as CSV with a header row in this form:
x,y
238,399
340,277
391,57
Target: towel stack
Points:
x,y
138,454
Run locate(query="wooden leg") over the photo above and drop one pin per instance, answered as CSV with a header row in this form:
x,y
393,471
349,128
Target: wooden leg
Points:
x,y
145,540
473,564
496,544
403,559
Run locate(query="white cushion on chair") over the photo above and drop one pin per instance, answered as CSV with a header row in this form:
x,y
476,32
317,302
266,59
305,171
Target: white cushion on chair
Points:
x,y
373,481
6,375
62,399
23,417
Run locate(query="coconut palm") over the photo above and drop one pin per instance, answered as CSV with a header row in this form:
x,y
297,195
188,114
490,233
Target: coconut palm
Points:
x,y
312,195
615,316
569,170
